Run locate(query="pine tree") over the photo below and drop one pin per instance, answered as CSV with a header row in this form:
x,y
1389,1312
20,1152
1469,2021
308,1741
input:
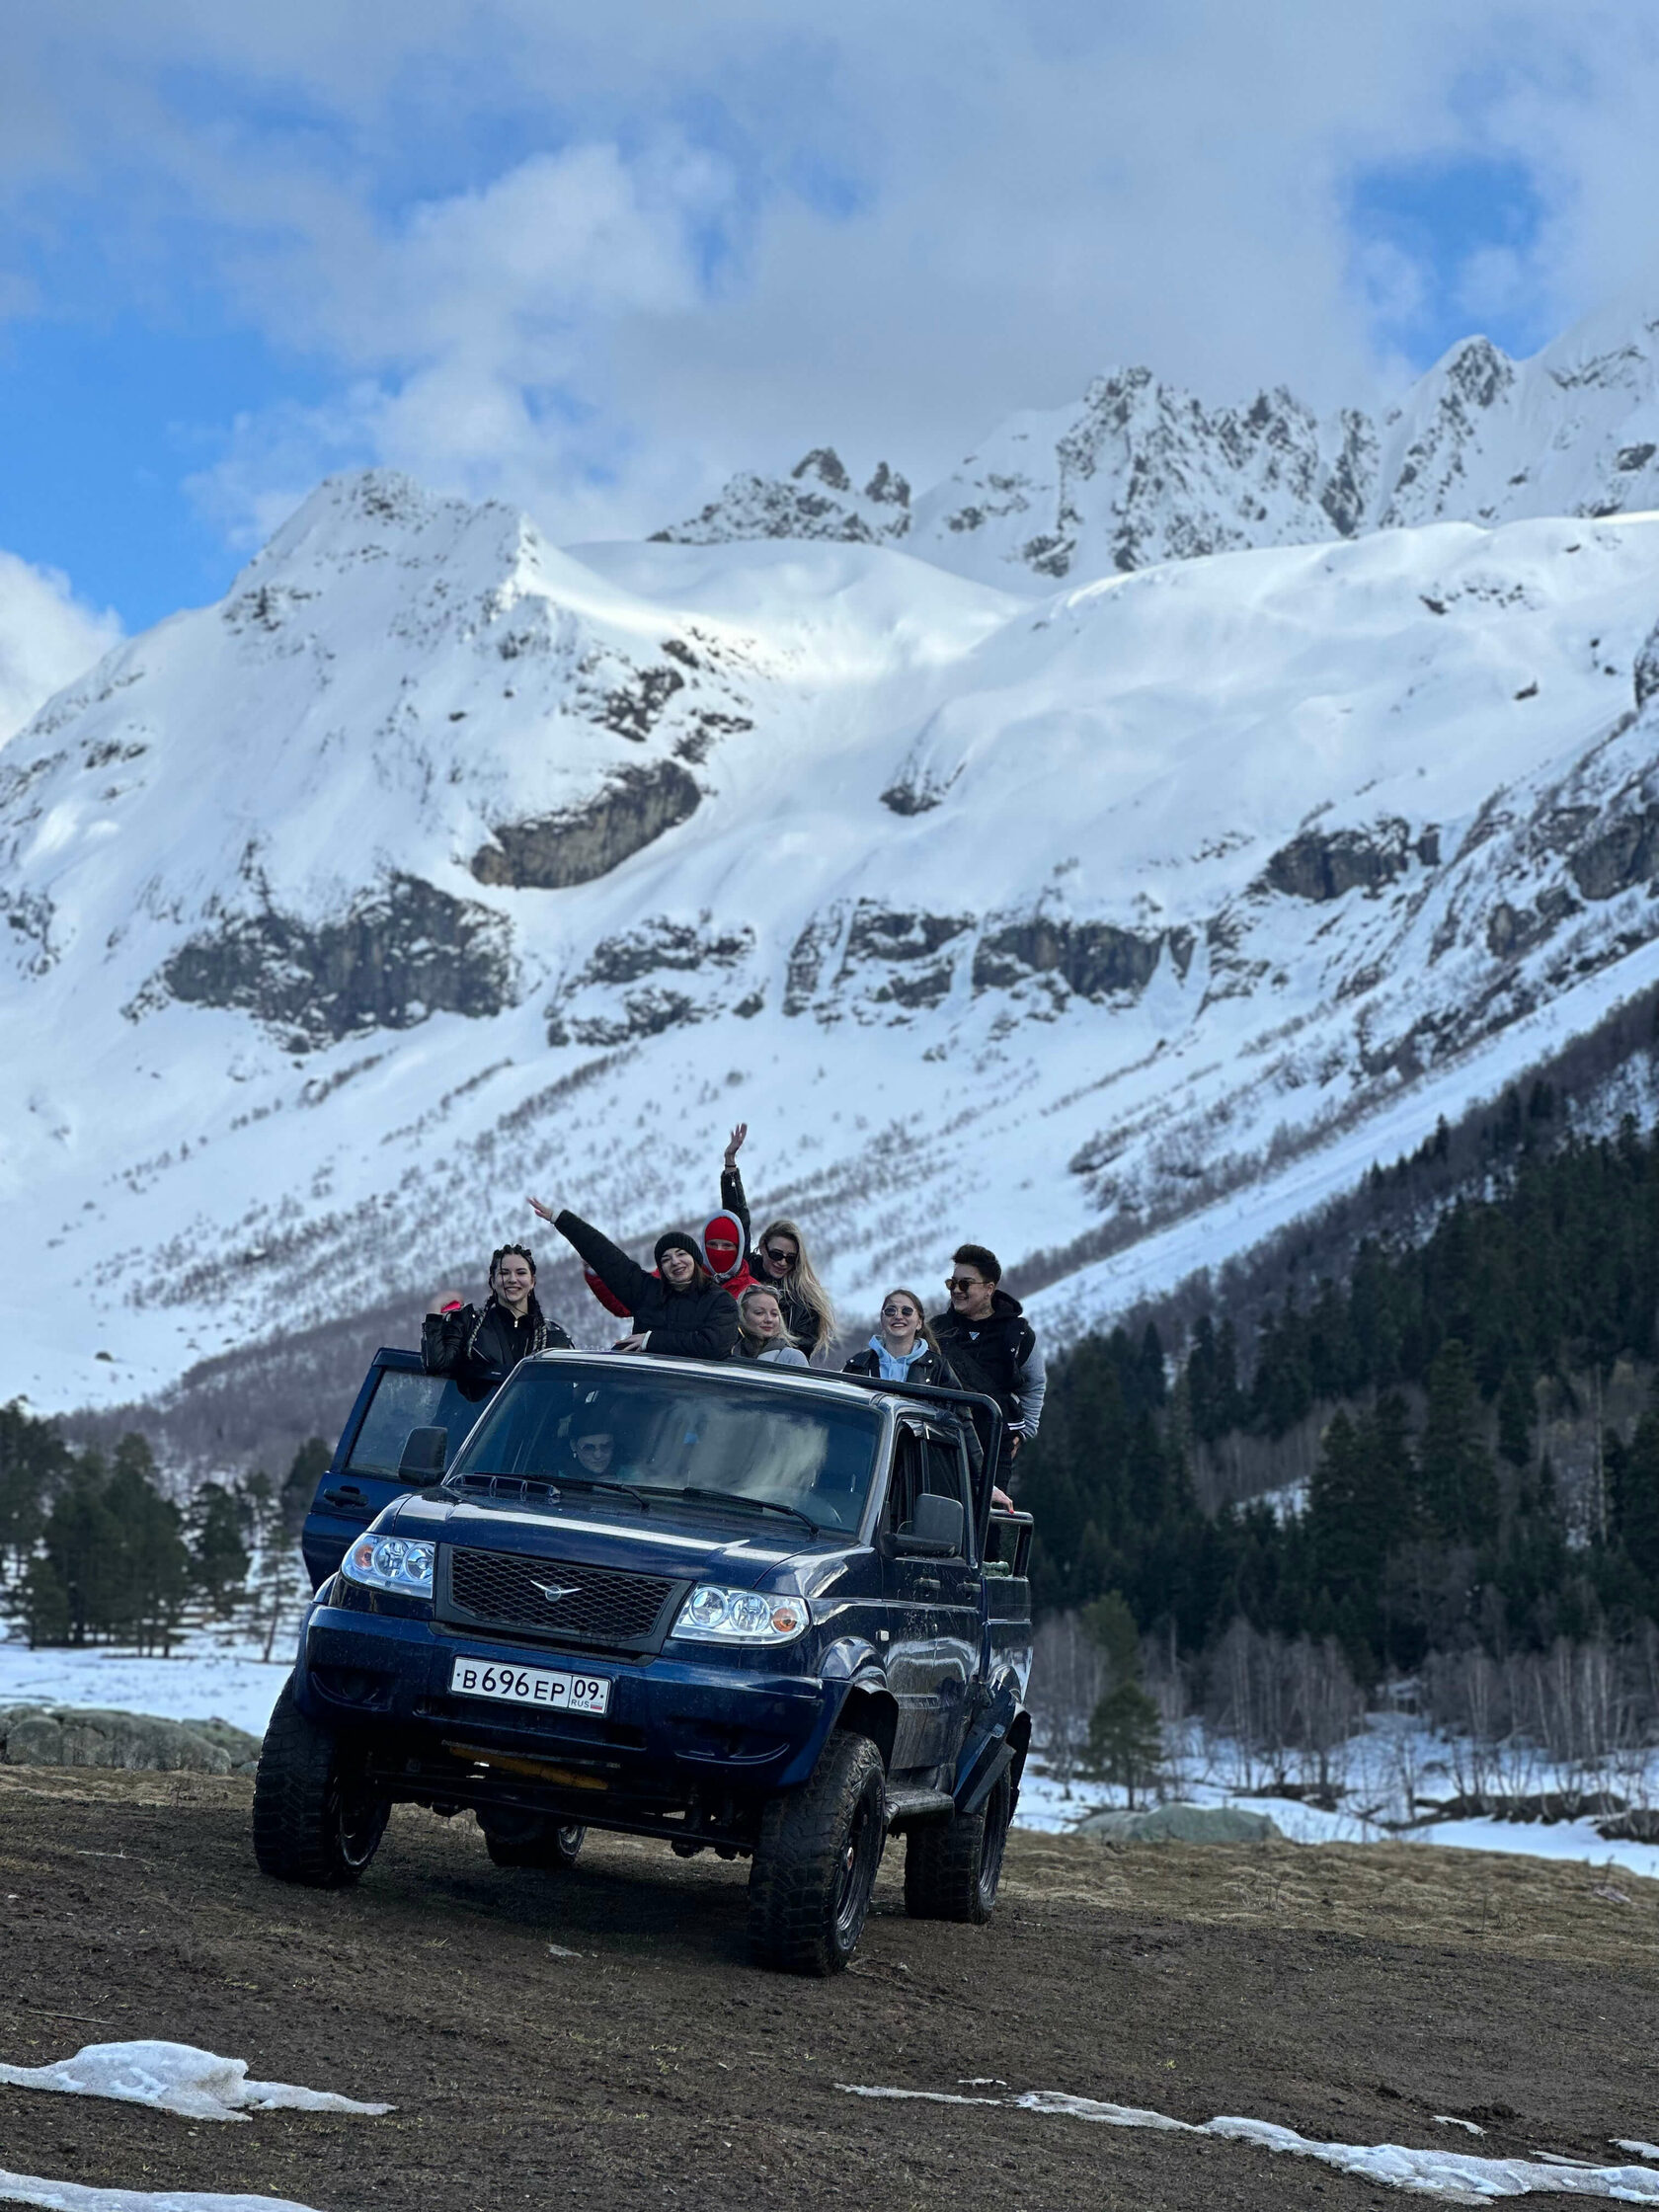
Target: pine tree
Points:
x,y
153,1572
33,1461
1636,1499
219,1551
1126,1739
1126,1736
1460,1482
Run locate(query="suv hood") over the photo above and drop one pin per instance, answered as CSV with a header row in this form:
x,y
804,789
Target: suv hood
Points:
x,y
692,1544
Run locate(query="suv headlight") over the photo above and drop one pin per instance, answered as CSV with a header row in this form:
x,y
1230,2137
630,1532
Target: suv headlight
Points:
x,y
391,1563
713,1614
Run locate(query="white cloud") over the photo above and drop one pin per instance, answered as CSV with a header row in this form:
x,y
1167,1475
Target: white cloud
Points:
x,y
594,272
47,638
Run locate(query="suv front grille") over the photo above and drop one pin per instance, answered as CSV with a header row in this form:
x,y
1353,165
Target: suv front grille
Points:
x,y
603,1606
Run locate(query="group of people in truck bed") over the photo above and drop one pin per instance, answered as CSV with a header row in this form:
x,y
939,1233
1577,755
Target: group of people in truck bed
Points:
x,y
731,1296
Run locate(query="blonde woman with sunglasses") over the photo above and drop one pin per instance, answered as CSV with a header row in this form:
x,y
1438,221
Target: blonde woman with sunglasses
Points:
x,y
779,1262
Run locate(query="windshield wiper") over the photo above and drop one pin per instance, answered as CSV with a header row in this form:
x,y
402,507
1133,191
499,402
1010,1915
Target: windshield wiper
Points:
x,y
764,1505
599,1482
553,1484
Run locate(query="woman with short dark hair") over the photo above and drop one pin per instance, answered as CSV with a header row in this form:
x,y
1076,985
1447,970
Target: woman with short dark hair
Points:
x,y
483,1344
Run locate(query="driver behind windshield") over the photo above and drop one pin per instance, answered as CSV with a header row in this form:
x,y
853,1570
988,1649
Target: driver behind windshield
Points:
x,y
595,1452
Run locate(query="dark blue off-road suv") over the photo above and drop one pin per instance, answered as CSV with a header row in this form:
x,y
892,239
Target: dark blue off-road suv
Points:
x,y
757,1610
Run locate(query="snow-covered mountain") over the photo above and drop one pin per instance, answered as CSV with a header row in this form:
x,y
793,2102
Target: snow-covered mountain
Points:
x,y
436,865
1140,472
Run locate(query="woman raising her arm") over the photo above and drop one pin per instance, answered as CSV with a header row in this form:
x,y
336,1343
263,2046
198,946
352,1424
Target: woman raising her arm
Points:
x,y
680,1312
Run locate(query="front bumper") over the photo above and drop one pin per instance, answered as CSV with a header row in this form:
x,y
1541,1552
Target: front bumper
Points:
x,y
688,1742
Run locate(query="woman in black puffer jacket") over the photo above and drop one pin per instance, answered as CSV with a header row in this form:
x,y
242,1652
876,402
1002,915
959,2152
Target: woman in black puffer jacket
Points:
x,y
481,1345
680,1312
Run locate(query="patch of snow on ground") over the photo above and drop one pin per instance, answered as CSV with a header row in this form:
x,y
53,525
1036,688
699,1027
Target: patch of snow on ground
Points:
x,y
1458,2175
176,2078
1375,1769
207,1675
75,2196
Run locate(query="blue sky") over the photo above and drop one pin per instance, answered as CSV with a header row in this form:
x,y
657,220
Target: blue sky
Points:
x,y
492,245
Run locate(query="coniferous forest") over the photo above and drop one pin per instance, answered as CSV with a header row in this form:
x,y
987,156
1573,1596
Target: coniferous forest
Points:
x,y
1435,1376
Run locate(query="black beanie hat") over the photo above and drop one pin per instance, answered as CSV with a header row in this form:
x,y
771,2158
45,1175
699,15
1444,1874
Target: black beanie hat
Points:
x,y
677,1240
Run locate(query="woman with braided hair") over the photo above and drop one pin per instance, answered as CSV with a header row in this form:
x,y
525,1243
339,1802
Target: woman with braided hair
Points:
x,y
481,1345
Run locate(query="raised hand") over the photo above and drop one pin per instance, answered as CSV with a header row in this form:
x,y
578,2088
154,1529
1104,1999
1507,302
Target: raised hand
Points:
x,y
544,1213
734,1144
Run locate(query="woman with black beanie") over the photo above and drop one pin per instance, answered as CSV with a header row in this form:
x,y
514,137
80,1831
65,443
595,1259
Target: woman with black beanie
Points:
x,y
680,1312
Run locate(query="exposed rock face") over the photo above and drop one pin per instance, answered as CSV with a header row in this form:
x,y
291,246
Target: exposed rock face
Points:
x,y
1510,933
1647,669
585,1013
1093,958
893,962
1621,852
557,851
395,957
1327,864
816,500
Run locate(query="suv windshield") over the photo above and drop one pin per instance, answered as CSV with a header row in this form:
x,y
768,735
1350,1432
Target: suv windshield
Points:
x,y
603,1423
404,1401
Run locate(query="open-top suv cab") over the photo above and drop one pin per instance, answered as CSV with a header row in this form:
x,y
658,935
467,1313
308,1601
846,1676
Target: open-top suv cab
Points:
x,y
760,1611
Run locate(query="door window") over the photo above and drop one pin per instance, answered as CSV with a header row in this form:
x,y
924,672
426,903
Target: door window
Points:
x,y
405,1400
907,1481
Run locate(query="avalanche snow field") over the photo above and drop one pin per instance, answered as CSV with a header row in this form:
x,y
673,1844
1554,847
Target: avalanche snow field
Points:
x,y
1351,1992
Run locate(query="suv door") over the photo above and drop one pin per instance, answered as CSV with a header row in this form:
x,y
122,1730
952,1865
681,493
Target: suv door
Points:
x,y
397,1395
918,1662
957,1618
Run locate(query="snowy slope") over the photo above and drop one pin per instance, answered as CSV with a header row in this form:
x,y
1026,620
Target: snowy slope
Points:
x,y
437,865
1140,472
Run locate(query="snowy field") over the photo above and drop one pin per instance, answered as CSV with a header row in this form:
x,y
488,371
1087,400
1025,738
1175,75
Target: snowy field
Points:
x,y
211,1676
216,1673
1377,1769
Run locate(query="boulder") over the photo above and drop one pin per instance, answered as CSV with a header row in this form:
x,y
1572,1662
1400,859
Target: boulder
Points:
x,y
1180,1824
85,1736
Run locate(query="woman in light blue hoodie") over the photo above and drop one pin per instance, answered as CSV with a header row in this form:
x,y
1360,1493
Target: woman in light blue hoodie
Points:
x,y
902,1350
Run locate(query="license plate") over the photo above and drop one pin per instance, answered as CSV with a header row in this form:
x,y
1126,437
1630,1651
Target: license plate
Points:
x,y
530,1686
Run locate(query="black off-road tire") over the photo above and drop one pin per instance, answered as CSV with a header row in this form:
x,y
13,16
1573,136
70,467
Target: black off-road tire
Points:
x,y
952,1867
816,1860
313,1821
546,1846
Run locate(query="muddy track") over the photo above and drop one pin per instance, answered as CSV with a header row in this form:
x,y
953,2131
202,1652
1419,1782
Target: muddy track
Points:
x,y
1349,1993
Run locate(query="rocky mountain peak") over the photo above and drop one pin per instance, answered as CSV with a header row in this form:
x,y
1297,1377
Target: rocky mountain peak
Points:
x,y
816,500
1140,470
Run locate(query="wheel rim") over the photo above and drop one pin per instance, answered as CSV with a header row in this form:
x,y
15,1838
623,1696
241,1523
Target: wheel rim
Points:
x,y
570,1835
859,1857
361,1819
992,1843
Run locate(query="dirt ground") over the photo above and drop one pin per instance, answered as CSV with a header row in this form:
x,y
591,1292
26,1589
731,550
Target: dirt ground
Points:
x,y
1349,1991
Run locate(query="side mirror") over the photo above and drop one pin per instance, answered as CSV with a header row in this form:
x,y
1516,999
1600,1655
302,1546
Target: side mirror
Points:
x,y
934,1531
424,1454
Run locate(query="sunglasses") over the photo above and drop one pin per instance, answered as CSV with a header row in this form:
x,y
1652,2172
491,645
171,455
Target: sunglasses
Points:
x,y
963,1281
898,1312
784,1252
